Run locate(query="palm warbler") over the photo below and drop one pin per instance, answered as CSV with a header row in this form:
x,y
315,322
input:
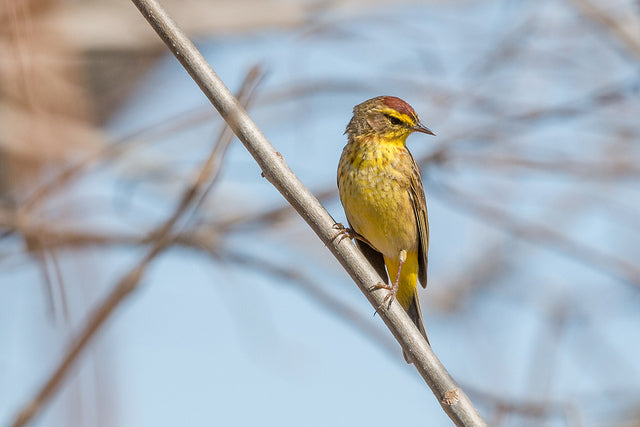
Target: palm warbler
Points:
x,y
382,195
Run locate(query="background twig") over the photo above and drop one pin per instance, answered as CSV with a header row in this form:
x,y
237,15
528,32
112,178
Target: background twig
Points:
x,y
129,283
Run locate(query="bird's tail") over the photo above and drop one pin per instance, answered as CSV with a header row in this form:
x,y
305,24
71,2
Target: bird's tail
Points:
x,y
416,316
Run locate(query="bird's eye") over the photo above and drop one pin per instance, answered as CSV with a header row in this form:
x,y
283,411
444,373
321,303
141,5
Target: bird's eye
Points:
x,y
395,121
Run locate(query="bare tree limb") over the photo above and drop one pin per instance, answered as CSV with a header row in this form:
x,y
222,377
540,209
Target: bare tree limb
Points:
x,y
452,399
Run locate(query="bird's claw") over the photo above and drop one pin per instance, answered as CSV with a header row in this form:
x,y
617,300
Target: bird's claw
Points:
x,y
388,299
348,232
343,232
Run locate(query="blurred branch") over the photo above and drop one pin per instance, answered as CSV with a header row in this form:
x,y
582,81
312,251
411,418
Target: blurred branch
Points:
x,y
610,24
270,216
129,283
543,370
605,169
113,149
533,408
106,152
623,270
120,29
610,94
453,400
486,264
207,239
317,293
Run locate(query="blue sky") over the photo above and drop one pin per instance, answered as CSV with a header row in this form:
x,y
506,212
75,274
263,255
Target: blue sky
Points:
x,y
210,342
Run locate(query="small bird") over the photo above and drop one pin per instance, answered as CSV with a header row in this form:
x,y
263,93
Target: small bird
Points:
x,y
382,195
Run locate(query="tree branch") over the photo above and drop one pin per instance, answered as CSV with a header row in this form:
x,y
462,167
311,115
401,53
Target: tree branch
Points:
x,y
452,399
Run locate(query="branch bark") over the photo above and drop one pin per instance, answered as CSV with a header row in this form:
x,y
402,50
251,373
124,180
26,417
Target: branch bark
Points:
x,y
452,399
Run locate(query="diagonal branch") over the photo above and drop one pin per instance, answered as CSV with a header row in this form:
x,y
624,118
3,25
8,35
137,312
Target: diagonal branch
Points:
x,y
452,399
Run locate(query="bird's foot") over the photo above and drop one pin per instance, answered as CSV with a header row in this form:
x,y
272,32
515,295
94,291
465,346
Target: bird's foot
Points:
x,y
393,289
388,299
345,232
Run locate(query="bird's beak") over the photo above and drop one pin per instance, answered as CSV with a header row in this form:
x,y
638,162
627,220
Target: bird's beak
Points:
x,y
419,127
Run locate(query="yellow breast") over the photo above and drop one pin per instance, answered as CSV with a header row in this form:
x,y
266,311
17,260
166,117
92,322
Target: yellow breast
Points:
x,y
374,185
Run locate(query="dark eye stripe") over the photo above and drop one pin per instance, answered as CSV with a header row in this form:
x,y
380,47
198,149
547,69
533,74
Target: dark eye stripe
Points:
x,y
395,121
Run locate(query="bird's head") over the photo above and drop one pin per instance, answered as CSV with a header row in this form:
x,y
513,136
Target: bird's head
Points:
x,y
387,117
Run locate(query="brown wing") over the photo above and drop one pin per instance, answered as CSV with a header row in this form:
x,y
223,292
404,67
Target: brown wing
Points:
x,y
420,210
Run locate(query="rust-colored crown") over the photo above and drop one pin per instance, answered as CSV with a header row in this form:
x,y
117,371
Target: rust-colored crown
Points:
x,y
400,106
